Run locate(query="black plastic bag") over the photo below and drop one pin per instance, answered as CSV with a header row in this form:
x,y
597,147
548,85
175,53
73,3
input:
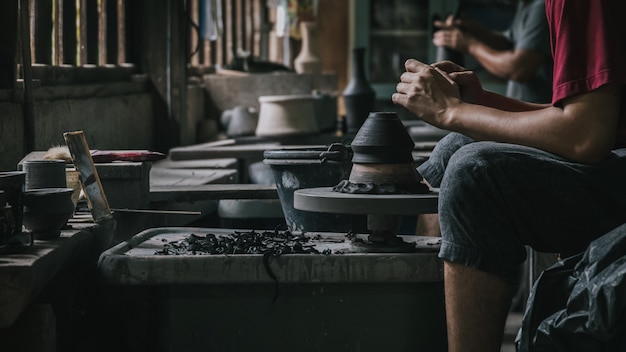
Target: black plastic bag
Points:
x,y
579,304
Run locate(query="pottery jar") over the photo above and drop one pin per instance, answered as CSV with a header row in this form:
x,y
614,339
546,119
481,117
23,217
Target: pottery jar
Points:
x,y
46,211
285,115
307,60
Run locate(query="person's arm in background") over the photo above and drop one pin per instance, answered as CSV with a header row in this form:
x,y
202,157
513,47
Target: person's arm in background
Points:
x,y
493,50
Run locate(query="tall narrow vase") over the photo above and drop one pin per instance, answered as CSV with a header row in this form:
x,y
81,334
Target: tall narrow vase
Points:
x,y
307,60
359,96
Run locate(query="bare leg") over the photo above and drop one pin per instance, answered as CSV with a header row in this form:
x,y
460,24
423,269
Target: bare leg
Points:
x,y
477,304
428,225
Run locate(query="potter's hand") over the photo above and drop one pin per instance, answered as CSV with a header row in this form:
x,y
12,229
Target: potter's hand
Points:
x,y
447,24
451,35
469,84
426,91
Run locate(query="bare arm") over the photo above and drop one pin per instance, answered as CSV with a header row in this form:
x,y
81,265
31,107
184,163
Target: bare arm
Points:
x,y
492,49
472,91
582,130
518,65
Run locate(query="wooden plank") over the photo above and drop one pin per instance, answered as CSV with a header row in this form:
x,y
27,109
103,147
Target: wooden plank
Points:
x,y
191,177
235,151
121,32
88,175
194,13
29,99
212,192
221,163
57,7
102,34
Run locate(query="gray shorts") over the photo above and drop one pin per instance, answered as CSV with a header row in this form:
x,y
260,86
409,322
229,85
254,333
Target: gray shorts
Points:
x,y
495,198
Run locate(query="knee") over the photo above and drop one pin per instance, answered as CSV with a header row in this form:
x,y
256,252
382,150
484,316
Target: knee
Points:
x,y
470,166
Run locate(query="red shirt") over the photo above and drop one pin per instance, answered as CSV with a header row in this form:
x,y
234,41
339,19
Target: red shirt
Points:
x,y
588,39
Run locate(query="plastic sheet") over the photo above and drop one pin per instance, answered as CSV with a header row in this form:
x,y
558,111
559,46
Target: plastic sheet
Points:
x,y
579,304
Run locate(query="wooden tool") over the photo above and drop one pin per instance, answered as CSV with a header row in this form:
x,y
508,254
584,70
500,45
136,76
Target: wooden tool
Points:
x,y
88,175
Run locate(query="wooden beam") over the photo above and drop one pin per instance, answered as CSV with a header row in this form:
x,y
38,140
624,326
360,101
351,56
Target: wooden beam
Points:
x,y
212,192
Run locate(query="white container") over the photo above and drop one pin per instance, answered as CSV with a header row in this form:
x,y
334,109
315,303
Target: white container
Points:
x,y
285,115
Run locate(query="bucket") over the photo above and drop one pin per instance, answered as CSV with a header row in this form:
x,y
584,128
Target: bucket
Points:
x,y
312,167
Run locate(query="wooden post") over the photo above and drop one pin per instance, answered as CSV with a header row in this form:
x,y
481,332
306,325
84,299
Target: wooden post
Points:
x,y
29,100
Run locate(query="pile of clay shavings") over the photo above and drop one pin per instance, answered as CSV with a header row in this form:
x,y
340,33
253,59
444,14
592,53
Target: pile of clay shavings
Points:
x,y
272,243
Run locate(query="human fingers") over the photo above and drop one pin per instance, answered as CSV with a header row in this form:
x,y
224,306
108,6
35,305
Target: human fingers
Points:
x,y
412,65
439,24
448,66
399,99
444,75
439,38
450,20
464,77
469,85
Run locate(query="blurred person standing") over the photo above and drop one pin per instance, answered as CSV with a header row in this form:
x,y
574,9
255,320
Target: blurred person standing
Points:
x,y
521,54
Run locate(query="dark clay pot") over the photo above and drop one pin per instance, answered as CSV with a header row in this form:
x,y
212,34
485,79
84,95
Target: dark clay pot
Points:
x,y
382,139
359,97
295,169
46,211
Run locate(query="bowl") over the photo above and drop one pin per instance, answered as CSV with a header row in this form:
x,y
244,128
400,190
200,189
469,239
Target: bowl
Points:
x,y
46,211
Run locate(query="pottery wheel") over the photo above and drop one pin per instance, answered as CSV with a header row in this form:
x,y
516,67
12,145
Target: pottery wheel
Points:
x,y
383,212
324,200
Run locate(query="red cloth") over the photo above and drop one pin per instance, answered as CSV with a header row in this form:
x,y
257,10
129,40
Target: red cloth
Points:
x,y
107,156
588,39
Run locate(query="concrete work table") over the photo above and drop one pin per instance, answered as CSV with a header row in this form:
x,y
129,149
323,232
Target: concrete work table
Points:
x,y
350,301
24,275
135,262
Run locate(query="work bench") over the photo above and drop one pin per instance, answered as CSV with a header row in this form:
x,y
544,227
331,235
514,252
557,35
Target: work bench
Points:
x,y
26,278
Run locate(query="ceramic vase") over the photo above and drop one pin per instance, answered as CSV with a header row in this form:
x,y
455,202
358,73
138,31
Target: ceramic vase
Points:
x,y
308,60
286,115
358,96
